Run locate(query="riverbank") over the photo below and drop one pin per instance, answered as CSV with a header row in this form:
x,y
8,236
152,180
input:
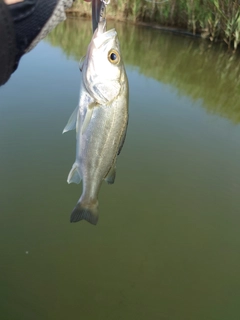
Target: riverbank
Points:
x,y
217,20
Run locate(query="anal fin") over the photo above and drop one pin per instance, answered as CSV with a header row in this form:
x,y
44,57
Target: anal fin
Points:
x,y
74,176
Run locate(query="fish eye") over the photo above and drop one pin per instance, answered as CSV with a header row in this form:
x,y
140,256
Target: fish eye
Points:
x,y
114,57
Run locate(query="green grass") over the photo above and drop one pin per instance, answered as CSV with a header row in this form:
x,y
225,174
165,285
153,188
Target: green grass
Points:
x,y
185,63
215,19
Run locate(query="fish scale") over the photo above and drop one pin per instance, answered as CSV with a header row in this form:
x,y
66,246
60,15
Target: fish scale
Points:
x,y
100,120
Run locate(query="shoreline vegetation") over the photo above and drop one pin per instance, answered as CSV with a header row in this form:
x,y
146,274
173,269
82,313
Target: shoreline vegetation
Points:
x,y
185,64
215,20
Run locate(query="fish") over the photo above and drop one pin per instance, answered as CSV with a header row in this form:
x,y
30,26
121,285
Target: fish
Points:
x,y
100,120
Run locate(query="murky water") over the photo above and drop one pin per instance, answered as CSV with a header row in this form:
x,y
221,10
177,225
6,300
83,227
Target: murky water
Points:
x,y
167,245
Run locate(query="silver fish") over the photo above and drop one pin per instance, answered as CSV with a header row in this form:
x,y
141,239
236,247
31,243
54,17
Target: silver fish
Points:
x,y
100,120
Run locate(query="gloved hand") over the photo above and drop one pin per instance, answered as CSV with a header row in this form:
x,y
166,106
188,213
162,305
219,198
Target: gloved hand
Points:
x,y
22,25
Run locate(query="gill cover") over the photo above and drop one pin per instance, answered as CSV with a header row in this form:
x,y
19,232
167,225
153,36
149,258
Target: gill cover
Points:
x,y
102,67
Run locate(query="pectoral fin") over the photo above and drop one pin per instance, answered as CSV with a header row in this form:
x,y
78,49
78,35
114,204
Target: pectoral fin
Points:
x,y
81,63
87,119
71,125
88,116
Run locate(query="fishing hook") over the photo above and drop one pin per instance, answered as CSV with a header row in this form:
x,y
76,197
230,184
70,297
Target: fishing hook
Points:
x,y
98,12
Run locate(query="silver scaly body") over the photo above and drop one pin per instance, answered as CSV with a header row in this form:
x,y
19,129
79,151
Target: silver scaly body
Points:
x,y
100,119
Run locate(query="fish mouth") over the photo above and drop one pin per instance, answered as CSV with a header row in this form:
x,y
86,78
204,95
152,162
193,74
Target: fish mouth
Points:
x,y
104,37
100,33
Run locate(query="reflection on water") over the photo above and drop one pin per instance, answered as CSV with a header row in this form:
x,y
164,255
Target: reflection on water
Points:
x,y
167,242
188,64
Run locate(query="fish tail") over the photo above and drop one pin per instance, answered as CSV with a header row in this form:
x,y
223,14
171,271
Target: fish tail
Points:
x,y
85,211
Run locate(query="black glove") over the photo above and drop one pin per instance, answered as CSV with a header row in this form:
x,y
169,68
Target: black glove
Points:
x,y
22,26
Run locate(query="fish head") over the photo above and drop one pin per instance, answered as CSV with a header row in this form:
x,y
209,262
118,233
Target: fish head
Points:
x,y
103,66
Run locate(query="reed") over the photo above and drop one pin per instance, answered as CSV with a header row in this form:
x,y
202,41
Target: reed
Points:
x,y
216,20
186,64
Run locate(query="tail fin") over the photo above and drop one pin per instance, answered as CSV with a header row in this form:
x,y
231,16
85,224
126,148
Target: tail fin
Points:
x,y
88,212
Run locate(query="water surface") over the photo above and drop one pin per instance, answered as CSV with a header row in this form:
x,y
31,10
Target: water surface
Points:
x,y
167,243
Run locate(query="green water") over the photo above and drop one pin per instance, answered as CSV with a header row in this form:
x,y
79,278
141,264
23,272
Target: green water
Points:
x,y
167,245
